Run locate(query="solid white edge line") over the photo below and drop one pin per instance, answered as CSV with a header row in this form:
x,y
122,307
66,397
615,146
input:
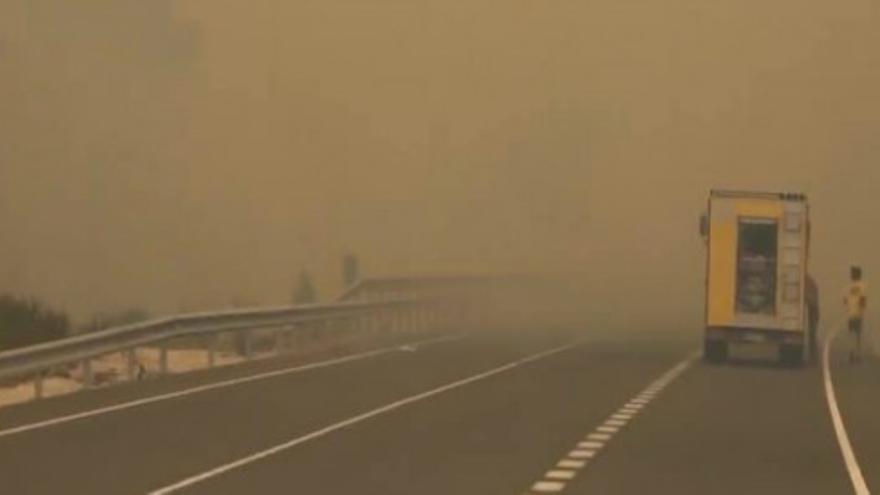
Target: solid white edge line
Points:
x,y
212,386
849,456
212,473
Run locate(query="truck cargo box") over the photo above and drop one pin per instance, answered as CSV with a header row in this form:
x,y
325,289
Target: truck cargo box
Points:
x,y
756,268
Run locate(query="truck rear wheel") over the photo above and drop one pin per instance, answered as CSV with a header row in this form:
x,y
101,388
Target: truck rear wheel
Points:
x,y
714,351
791,355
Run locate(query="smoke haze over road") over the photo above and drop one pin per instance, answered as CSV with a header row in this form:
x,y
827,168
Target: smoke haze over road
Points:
x,y
183,155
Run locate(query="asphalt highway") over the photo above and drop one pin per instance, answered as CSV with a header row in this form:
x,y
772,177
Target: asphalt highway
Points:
x,y
533,412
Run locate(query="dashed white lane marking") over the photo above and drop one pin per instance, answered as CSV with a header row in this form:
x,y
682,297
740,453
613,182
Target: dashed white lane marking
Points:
x,y
567,469
570,464
590,445
211,386
548,486
582,454
225,468
560,474
849,456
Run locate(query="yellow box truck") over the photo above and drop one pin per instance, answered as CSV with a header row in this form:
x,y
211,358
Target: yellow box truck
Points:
x,y
756,269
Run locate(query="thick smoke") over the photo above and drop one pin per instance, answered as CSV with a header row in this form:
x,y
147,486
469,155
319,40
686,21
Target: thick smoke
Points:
x,y
179,155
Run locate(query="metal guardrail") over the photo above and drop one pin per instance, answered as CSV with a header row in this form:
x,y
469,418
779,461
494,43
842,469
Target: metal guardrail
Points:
x,y
276,324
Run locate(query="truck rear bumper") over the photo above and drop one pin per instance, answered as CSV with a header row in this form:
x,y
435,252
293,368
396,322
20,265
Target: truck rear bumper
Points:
x,y
755,335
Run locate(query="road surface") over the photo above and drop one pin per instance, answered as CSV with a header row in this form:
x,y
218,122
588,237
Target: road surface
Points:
x,y
540,412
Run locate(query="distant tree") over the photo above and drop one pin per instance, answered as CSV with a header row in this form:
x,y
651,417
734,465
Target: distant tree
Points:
x,y
305,292
26,322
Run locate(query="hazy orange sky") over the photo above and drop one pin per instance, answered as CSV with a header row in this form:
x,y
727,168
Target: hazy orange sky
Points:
x,y
182,155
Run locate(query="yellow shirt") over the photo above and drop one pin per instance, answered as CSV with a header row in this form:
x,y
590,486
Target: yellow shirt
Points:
x,y
856,299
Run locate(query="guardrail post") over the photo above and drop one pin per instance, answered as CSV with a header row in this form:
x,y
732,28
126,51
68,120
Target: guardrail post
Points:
x,y
293,336
421,318
163,358
131,363
246,344
279,339
393,321
414,319
436,318
211,346
38,385
373,322
370,325
88,375
354,324
405,319
400,317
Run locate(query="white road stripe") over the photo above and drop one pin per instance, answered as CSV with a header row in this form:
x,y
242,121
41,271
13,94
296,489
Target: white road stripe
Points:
x,y
211,386
849,456
590,445
582,454
599,436
213,473
588,449
560,474
548,486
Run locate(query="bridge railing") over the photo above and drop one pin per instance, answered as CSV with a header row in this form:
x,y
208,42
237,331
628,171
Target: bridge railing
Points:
x,y
164,345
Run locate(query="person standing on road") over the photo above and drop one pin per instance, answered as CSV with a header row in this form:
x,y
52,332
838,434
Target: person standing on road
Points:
x,y
812,299
856,302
